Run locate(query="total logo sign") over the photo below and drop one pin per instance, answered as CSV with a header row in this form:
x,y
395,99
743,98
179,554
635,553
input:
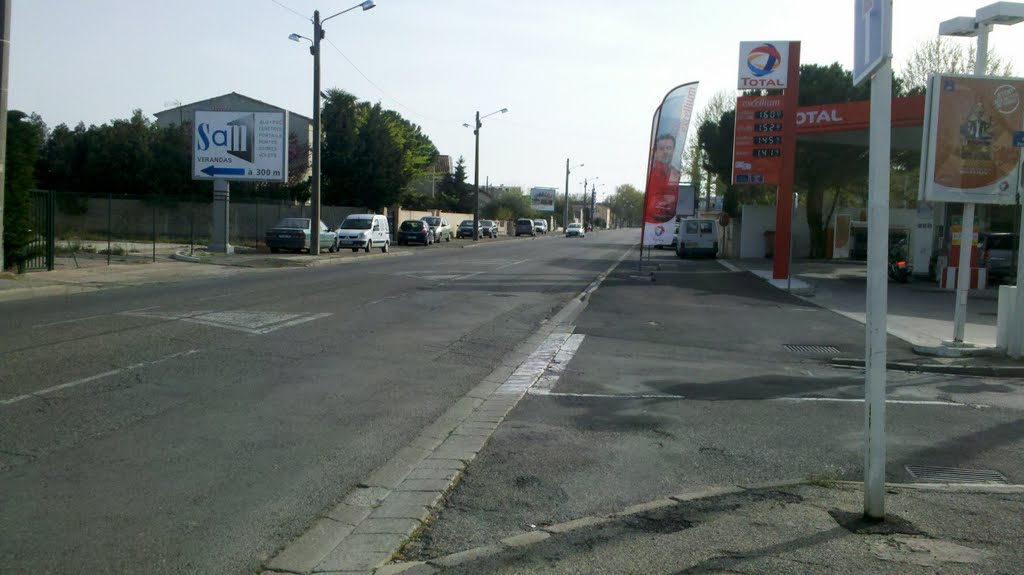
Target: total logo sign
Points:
x,y
762,65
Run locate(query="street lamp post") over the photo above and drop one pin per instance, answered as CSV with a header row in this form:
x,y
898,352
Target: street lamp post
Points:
x,y
585,211
314,200
565,222
1007,14
476,170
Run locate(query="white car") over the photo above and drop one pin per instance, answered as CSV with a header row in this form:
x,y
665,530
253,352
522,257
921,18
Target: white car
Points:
x,y
575,230
541,226
364,232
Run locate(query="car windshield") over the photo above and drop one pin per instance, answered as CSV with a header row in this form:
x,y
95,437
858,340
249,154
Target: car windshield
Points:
x,y
357,224
300,223
575,226
487,223
468,223
525,222
999,242
433,221
412,225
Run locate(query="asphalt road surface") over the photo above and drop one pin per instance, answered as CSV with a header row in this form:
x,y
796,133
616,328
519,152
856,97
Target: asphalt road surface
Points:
x,y
199,426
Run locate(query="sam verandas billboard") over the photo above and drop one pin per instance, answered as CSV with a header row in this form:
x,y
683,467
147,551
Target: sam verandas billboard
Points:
x,y
969,139
542,199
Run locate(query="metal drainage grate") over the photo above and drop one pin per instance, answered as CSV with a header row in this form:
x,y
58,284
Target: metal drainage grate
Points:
x,y
955,474
811,349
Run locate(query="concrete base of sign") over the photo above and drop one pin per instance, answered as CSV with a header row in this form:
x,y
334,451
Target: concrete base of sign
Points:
x,y
1009,325
948,279
221,204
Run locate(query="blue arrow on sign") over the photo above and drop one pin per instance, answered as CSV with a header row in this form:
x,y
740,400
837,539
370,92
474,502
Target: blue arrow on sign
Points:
x,y
213,171
1018,139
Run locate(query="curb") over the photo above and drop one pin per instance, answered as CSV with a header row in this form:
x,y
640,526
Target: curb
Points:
x,y
550,531
966,350
181,257
979,370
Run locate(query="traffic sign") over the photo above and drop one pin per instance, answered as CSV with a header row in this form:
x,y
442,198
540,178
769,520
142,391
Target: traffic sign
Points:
x,y
872,37
247,146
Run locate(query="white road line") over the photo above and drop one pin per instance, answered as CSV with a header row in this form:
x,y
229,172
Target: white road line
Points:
x,y
296,321
132,367
65,321
729,266
539,391
893,401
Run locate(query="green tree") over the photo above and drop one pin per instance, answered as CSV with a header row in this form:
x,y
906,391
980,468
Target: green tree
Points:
x,y
507,206
25,137
627,203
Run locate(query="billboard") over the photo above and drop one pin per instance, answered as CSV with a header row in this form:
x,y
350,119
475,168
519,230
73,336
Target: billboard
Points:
x,y
969,139
762,65
247,146
543,199
687,203
668,136
872,36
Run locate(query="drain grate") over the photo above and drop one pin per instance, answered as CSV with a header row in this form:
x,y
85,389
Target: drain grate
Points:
x,y
955,474
811,349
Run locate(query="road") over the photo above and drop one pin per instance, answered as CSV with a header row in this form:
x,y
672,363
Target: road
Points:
x,y
199,426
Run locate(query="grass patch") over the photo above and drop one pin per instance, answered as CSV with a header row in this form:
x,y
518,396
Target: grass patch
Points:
x,y
826,477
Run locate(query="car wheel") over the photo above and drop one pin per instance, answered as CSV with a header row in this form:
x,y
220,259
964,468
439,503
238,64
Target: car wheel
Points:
x,y
448,238
334,246
386,247
369,244
274,250
355,249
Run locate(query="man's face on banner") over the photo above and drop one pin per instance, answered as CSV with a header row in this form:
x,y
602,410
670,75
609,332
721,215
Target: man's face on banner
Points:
x,y
663,150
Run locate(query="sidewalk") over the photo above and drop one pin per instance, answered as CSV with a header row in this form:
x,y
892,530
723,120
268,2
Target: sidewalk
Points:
x,y
803,528
919,312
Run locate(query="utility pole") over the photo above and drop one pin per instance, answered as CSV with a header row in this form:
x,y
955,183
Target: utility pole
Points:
x,y
314,200
476,180
5,54
565,218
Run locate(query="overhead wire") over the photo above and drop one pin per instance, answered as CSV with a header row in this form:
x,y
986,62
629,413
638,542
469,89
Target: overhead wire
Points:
x,y
292,10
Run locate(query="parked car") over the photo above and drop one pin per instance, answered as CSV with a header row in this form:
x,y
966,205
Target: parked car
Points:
x,y
575,230
416,232
697,237
489,228
465,229
294,233
525,227
541,226
440,228
364,231
996,256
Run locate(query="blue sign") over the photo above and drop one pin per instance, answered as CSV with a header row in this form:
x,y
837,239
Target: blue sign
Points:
x,y
872,37
1018,139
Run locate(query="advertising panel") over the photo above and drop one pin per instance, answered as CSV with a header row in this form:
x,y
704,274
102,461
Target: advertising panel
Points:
x,y
248,146
542,199
757,143
668,138
970,139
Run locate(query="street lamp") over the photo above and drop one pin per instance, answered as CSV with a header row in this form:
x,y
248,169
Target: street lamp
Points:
x,y
1006,14
476,170
585,210
318,34
565,223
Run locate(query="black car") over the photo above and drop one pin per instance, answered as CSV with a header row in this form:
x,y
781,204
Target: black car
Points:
x,y
465,229
416,232
525,227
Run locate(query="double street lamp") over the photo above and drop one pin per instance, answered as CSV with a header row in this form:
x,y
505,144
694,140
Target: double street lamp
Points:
x,y
476,170
565,222
318,34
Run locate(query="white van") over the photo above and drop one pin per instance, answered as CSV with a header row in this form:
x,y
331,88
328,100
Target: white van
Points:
x,y
364,231
697,237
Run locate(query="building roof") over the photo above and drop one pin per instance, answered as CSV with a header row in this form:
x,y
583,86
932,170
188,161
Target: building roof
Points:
x,y
200,103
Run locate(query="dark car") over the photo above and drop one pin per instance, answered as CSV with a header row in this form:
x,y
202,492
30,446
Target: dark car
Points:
x,y
465,229
415,232
524,227
996,256
293,234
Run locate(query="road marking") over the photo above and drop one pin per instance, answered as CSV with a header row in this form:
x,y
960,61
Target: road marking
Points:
x,y
253,322
65,321
893,401
76,382
538,391
729,266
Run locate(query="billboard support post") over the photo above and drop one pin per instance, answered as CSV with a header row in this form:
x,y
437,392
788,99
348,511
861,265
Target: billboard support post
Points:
x,y
221,208
784,196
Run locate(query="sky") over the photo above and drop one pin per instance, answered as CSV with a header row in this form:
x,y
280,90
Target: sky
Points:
x,y
580,78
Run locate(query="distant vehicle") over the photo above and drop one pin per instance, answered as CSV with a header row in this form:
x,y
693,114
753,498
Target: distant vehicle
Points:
x,y
294,233
997,256
697,237
489,228
415,231
440,227
364,231
541,226
575,230
465,229
525,227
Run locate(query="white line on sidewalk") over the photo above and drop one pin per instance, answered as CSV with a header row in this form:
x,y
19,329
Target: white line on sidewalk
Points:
x,y
893,401
69,384
729,266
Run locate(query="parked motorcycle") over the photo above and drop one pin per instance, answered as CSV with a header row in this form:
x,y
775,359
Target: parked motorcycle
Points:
x,y
899,268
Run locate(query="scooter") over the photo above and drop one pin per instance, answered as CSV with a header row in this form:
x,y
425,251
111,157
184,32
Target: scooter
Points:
x,y
899,269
